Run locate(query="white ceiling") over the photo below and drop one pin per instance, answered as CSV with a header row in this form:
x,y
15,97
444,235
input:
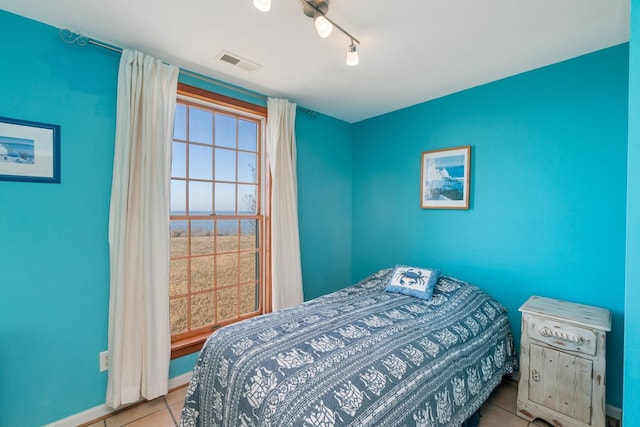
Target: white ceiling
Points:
x,y
411,51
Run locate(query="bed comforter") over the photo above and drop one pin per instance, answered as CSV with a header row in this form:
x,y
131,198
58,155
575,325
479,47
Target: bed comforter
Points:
x,y
358,357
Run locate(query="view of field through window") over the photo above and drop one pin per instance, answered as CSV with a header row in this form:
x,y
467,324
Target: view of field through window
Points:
x,y
216,223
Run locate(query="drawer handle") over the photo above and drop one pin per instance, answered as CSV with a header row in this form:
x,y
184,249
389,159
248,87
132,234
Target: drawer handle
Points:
x,y
574,339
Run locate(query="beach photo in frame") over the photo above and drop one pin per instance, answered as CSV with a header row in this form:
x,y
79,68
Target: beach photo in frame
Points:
x,y
444,181
29,151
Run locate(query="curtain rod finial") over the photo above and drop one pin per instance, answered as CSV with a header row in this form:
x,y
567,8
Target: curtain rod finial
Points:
x,y
70,37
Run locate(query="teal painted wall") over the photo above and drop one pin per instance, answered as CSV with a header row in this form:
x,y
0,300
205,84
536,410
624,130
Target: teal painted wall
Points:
x,y
53,244
324,203
632,296
548,189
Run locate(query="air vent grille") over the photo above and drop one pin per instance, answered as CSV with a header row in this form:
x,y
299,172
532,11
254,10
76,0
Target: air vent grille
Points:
x,y
230,59
238,61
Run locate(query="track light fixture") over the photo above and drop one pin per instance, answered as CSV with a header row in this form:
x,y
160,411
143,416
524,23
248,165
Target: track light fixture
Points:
x,y
317,10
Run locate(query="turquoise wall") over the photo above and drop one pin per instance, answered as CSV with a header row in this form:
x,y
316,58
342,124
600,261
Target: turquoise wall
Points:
x,y
53,244
548,189
324,198
632,296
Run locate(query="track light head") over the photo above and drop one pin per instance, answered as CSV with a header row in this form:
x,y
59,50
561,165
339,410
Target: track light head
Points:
x,y
352,55
323,26
262,5
317,9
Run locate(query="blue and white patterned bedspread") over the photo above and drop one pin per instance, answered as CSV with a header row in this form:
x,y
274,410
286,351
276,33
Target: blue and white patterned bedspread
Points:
x,y
359,357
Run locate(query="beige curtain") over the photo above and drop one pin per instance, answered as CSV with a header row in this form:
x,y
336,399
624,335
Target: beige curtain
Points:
x,y
139,332
285,241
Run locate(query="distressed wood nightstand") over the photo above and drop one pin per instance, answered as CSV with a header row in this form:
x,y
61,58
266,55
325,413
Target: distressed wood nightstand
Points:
x,y
562,362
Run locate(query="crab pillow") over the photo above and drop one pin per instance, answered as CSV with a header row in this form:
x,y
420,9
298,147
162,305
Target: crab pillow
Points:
x,y
413,281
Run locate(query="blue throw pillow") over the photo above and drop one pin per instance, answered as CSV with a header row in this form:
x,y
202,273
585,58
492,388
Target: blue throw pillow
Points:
x,y
413,281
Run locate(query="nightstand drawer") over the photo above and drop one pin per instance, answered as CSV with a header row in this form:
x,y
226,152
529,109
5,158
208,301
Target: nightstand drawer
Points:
x,y
563,336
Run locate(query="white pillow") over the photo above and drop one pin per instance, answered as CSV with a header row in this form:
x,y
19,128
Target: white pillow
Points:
x,y
413,281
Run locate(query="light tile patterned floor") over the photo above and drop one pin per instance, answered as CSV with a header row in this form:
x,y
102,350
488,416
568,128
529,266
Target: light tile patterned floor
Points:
x,y
498,411
160,412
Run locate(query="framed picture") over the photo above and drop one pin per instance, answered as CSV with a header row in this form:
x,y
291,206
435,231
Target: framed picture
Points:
x,y
29,151
444,180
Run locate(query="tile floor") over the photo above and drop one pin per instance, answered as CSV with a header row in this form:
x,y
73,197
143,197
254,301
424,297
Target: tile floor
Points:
x,y
498,411
161,412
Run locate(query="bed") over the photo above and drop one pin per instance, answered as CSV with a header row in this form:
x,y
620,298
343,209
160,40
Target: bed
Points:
x,y
360,356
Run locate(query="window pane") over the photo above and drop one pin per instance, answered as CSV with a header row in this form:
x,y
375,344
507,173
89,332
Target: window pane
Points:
x,y
202,273
178,231
179,272
226,270
202,237
249,237
178,197
178,312
227,303
179,160
202,310
180,123
247,135
248,267
227,238
247,167
200,162
249,301
216,252
225,131
247,199
200,198
200,125
225,199
225,165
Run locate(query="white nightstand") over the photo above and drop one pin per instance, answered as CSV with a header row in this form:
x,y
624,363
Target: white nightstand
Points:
x,y
562,362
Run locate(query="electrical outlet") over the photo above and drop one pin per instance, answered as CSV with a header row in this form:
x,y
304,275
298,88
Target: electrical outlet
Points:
x,y
104,361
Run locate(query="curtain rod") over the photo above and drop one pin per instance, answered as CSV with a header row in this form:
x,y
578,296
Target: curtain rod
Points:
x,y
70,37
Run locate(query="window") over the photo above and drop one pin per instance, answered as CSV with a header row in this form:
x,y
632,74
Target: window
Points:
x,y
218,258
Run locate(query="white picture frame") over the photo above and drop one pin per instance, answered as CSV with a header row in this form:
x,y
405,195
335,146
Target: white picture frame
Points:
x,y
445,178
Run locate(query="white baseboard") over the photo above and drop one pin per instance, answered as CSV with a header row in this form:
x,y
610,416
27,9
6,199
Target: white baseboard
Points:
x,y
614,412
103,410
179,381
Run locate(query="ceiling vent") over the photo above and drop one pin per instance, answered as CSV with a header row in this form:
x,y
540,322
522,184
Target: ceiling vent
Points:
x,y
238,61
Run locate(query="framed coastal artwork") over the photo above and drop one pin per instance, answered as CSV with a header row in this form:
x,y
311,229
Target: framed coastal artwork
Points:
x,y
444,180
29,151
